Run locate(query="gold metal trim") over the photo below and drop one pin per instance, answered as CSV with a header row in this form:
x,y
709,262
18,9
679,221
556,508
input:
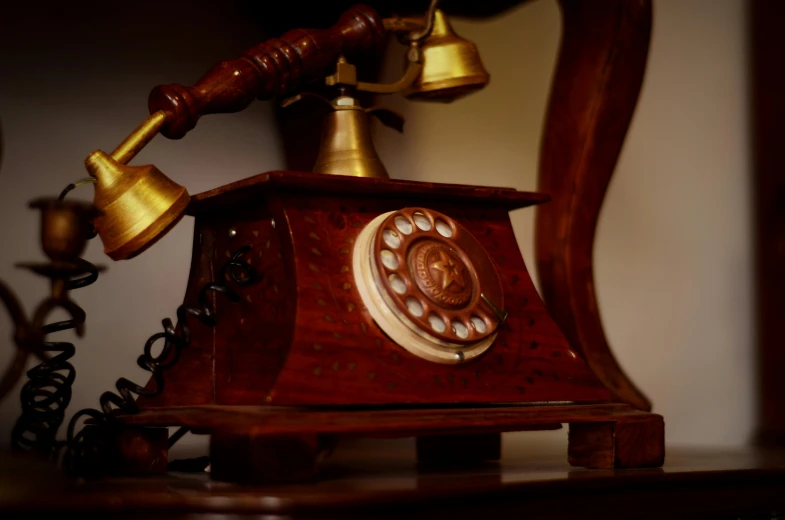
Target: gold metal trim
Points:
x,y
139,138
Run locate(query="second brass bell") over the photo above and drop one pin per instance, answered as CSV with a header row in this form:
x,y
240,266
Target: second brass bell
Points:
x,y
451,66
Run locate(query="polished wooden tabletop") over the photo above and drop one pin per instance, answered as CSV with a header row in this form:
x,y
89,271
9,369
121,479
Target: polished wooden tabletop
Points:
x,y
381,479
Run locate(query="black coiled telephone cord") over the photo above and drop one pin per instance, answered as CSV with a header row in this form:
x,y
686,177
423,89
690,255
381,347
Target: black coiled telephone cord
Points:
x,y
47,393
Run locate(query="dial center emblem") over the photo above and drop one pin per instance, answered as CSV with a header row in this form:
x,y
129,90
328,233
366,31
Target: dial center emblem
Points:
x,y
441,274
450,270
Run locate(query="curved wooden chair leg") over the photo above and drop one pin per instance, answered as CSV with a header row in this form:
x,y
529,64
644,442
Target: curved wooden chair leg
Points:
x,y
598,77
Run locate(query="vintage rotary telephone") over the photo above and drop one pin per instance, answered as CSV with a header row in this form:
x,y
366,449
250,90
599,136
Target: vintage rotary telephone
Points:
x,y
329,304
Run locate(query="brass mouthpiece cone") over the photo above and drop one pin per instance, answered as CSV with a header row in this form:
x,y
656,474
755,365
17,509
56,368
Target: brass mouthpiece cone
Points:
x,y
138,205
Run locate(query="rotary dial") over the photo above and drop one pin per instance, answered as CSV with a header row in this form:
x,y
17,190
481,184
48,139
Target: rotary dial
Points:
x,y
423,272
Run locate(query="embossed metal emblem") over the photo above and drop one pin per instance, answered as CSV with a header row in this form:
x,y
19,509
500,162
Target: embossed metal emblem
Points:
x,y
441,274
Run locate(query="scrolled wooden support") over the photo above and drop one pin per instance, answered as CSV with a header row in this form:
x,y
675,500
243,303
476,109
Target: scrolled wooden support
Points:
x,y
275,67
595,89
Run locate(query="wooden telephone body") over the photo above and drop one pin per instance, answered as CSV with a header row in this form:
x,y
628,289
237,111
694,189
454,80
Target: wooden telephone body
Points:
x,y
300,355
301,360
303,336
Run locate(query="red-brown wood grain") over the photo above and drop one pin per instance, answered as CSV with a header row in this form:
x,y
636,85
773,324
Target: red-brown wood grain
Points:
x,y
303,336
602,436
252,337
300,343
252,189
238,360
196,365
383,421
596,84
340,356
275,67
634,442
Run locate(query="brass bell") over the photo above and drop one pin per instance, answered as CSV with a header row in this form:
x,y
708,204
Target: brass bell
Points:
x,y
139,205
347,147
451,66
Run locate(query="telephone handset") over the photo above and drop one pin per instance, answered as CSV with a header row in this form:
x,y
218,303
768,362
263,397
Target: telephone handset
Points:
x,y
428,284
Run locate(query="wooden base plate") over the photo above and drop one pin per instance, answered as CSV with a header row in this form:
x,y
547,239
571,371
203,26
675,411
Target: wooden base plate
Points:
x,y
601,435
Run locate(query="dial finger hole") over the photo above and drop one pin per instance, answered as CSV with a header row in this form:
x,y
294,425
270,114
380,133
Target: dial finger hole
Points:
x,y
397,283
391,238
414,306
436,323
443,228
421,221
460,330
389,259
479,325
403,224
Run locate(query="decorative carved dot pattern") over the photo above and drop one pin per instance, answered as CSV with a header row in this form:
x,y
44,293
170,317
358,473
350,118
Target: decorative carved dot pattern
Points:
x,y
331,351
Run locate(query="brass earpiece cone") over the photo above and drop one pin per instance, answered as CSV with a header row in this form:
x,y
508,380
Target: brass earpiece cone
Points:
x,y
139,205
451,66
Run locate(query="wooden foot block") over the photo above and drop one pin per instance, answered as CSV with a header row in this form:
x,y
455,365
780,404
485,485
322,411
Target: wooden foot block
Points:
x,y
127,451
458,449
249,458
636,441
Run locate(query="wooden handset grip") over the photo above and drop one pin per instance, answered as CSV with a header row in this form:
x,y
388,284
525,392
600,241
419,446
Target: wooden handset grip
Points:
x,y
275,67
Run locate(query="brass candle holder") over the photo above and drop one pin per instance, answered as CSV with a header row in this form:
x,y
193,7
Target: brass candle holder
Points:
x,y
65,229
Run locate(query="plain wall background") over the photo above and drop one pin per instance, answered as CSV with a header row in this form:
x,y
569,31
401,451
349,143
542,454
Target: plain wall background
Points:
x,y
673,252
